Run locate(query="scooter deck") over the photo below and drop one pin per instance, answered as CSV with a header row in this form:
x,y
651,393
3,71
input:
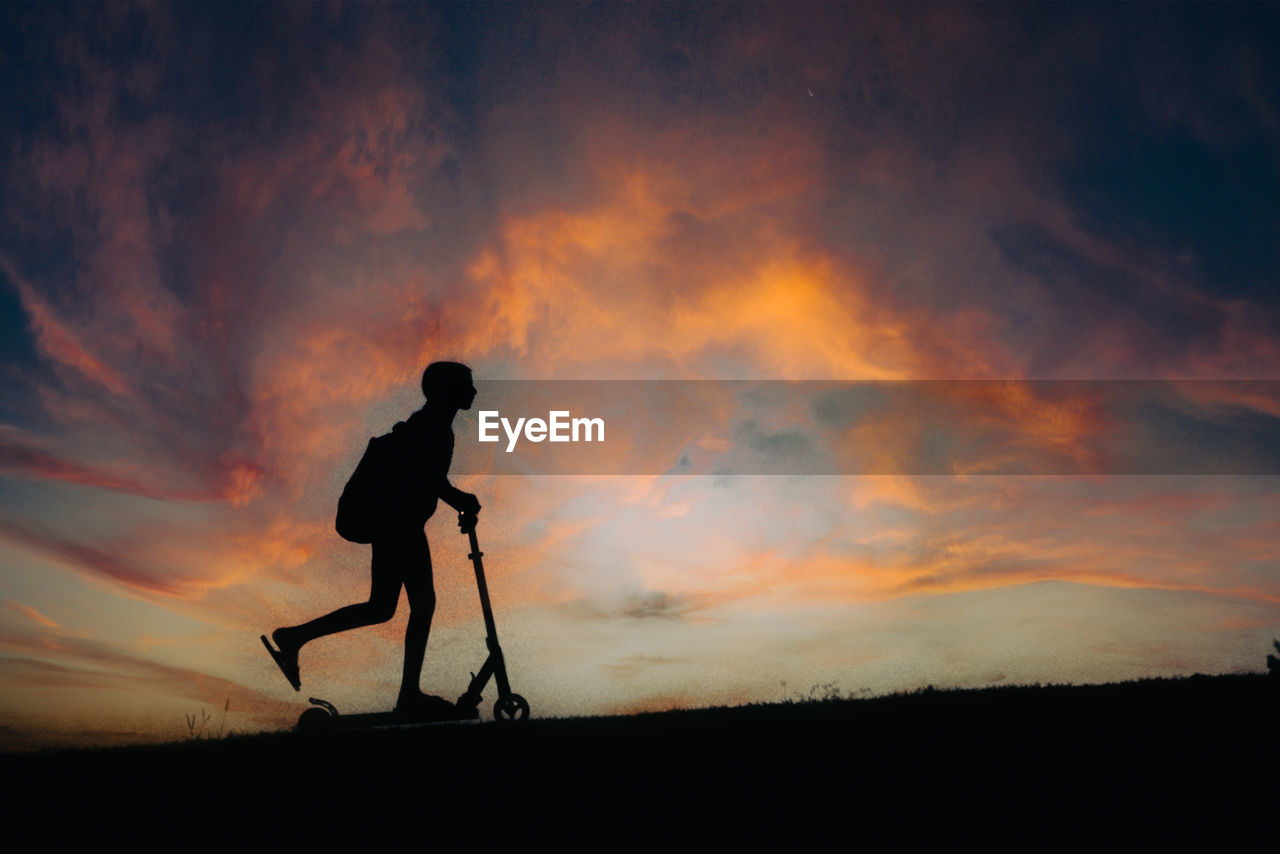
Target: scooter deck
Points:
x,y
323,717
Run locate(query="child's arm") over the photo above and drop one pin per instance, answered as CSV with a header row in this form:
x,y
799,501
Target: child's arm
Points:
x,y
463,502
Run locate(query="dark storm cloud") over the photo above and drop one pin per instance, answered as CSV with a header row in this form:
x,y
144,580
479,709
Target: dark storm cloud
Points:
x,y
1232,440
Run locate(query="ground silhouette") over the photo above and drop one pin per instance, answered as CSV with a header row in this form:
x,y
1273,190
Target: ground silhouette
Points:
x,y
1146,760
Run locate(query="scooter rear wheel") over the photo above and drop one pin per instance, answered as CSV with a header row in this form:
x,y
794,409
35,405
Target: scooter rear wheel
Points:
x,y
316,719
512,707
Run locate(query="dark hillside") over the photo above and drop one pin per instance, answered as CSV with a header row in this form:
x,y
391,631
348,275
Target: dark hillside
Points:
x,y
1153,757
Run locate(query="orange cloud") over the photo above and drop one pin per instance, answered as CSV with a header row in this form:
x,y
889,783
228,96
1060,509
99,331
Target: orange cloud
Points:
x,y
58,342
33,615
668,273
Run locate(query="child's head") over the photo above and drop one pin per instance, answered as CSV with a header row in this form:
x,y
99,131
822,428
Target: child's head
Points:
x,y
448,382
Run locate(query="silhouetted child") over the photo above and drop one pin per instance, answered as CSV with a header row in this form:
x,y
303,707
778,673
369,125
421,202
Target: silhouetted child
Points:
x,y
386,503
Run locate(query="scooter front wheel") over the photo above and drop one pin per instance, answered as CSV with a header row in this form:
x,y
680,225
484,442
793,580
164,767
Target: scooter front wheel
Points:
x,y
316,719
512,707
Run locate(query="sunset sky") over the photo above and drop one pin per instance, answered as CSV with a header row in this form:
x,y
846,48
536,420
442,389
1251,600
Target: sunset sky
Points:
x,y
234,235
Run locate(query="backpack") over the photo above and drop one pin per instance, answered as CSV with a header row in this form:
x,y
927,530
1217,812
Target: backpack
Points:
x,y
361,506
391,486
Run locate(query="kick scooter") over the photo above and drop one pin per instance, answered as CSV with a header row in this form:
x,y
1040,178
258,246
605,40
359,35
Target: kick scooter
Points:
x,y
322,716
510,706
